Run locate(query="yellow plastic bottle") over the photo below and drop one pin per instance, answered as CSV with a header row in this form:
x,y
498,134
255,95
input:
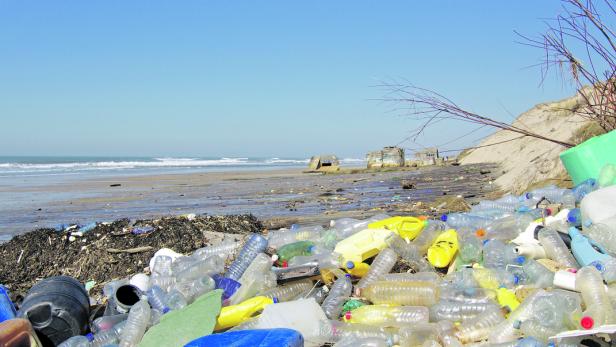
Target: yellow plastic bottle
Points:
x,y
507,299
407,227
357,270
362,245
231,316
444,248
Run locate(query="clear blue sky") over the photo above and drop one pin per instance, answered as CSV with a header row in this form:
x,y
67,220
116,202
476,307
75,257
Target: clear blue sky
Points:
x,y
254,78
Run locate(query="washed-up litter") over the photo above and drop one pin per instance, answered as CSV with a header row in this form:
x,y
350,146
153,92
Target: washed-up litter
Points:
x,y
532,270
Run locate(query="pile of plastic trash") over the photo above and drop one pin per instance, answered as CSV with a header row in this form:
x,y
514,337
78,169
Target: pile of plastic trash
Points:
x,y
531,270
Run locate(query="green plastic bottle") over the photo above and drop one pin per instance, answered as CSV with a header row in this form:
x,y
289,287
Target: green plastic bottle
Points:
x,y
288,251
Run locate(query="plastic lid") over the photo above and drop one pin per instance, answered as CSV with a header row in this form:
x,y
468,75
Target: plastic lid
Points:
x,y
480,232
350,265
587,322
348,315
166,309
528,195
520,259
274,257
516,279
347,275
444,218
275,300
90,337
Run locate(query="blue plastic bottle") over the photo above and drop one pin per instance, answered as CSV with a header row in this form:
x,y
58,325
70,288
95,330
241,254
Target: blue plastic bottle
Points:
x,y
7,310
583,249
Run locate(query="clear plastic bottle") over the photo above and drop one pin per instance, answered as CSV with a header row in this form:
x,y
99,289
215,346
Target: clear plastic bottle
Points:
x,y
493,278
136,324
324,260
346,227
158,299
225,250
508,228
584,188
255,245
590,284
402,293
459,311
340,290
466,294
162,265
388,316
607,268
534,328
108,337
352,341
382,264
465,220
76,341
208,266
554,195
319,294
184,293
105,323
537,274
555,248
332,331
430,232
478,328
506,330
258,277
471,248
424,334
412,277
288,292
603,233
409,252
497,255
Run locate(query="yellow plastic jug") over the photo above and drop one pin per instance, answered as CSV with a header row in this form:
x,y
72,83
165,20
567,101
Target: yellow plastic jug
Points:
x,y
362,245
407,227
444,248
233,315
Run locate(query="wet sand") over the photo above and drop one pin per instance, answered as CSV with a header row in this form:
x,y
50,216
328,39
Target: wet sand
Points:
x,y
277,197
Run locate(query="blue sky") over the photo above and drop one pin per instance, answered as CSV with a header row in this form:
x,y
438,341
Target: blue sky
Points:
x,y
255,78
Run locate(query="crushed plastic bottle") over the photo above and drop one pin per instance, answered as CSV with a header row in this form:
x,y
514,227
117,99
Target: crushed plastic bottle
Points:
x,y
333,303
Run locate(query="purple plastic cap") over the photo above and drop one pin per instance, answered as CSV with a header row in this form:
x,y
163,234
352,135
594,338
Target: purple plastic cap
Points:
x,y
166,310
516,279
520,259
444,218
89,336
275,300
350,265
571,218
347,275
528,195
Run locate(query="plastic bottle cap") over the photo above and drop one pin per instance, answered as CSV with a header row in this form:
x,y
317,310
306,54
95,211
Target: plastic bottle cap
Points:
x,y
285,264
598,265
485,242
587,322
90,337
517,323
311,248
587,223
480,232
444,218
347,275
350,265
348,315
528,195
294,227
166,309
516,279
520,259
571,218
274,257
275,300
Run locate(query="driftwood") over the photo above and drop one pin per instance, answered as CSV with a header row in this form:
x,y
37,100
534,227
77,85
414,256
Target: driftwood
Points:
x,y
130,250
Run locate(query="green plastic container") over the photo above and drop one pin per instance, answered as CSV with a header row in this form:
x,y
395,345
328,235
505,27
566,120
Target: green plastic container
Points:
x,y
585,160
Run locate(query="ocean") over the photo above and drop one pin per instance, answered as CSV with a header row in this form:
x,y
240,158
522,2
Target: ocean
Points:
x,y
15,167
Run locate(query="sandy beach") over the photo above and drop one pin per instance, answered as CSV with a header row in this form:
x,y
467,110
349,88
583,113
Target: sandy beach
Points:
x,y
279,196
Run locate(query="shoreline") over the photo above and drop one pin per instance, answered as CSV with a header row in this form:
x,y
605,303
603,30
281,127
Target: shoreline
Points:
x,y
284,194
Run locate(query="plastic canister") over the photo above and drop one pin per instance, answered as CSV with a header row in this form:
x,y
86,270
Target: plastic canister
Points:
x,y
407,227
7,310
251,338
58,308
362,245
586,160
444,248
18,333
